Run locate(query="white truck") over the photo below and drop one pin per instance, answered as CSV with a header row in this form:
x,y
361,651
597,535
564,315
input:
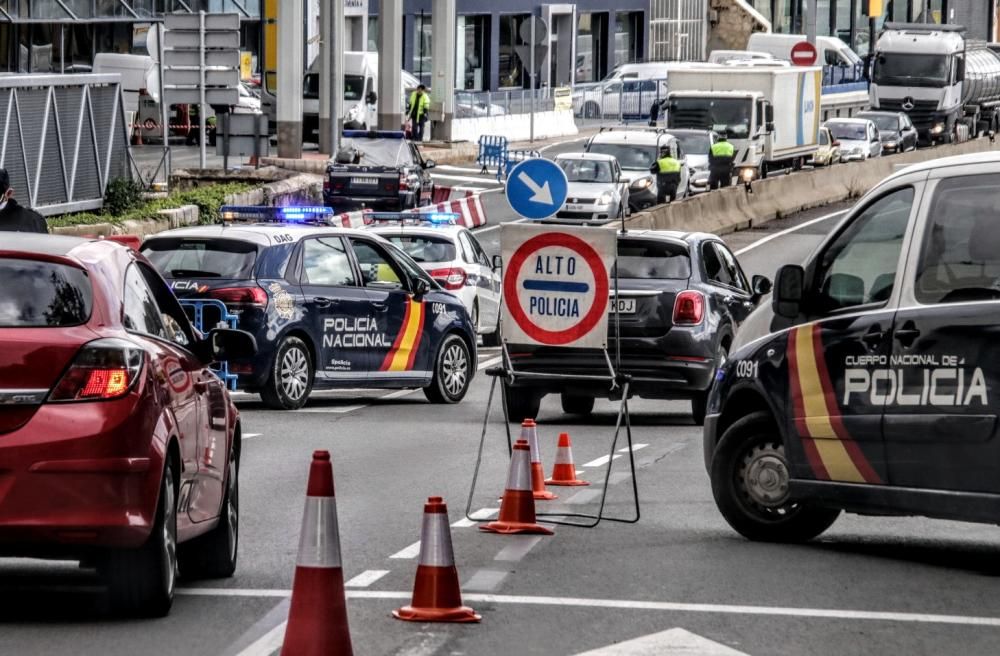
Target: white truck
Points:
x,y
949,88
770,115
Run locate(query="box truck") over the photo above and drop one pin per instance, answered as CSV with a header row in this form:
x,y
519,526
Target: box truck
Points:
x,y
770,115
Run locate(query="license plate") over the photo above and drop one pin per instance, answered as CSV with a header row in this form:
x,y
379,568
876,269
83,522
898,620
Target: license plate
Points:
x,y
365,182
624,305
576,208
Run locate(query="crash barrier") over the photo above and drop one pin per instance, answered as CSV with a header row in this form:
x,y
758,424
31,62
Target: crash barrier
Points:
x,y
469,210
733,208
206,314
517,127
65,137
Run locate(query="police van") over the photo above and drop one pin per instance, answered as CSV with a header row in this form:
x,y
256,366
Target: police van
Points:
x,y
870,383
330,307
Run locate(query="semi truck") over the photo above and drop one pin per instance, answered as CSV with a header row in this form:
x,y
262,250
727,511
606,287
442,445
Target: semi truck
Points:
x,y
947,85
770,115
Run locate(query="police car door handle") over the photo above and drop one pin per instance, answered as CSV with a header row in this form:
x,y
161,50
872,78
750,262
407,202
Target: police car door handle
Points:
x,y
873,337
380,306
907,333
323,301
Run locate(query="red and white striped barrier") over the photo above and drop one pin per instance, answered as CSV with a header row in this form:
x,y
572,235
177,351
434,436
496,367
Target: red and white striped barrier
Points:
x,y
469,209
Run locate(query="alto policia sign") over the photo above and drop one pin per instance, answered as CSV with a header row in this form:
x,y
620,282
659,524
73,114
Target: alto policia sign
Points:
x,y
556,285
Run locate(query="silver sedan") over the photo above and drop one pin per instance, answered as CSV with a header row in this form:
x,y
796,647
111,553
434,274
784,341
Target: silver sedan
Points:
x,y
597,193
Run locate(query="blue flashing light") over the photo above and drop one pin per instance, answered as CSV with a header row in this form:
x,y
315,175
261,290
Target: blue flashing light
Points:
x,y
288,214
374,134
435,218
443,218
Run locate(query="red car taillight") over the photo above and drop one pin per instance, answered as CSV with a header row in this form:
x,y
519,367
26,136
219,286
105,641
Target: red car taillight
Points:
x,y
103,369
240,296
326,185
451,278
689,308
403,185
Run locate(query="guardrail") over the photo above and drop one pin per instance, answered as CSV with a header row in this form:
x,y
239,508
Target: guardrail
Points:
x,y
481,104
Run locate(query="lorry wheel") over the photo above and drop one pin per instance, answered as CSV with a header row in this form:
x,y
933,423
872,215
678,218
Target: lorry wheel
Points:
x,y
577,404
750,477
521,403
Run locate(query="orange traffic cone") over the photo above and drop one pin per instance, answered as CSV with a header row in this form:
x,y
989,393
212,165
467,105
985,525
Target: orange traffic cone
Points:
x,y
517,509
317,619
529,432
564,471
437,596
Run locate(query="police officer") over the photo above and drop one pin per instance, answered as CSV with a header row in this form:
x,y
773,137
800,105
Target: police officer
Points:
x,y
417,111
720,163
668,176
13,217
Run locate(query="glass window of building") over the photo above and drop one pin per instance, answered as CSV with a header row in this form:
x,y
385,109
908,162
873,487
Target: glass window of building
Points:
x,y
628,36
591,47
510,64
373,34
472,54
420,65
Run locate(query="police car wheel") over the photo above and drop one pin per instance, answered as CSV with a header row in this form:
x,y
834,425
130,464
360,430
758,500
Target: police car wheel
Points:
x,y
291,379
750,478
451,372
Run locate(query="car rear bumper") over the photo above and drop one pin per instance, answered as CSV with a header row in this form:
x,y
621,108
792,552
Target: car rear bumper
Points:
x,y
79,476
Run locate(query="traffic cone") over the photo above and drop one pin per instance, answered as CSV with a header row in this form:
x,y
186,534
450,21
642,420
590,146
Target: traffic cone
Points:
x,y
317,619
564,471
437,596
529,432
517,509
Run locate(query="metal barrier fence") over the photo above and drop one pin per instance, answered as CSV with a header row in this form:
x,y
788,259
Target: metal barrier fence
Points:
x,y
217,315
479,104
64,137
624,101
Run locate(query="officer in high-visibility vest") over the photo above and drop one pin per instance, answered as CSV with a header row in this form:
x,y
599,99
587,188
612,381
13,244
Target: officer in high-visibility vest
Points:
x,y
720,163
416,111
668,175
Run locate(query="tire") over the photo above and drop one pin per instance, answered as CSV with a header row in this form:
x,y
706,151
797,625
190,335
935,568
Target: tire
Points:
x,y
591,110
752,449
474,315
521,403
141,581
492,339
573,404
214,555
291,377
699,403
452,372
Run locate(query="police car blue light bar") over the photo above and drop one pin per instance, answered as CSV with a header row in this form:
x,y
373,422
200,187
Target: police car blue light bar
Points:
x,y
288,214
437,218
374,134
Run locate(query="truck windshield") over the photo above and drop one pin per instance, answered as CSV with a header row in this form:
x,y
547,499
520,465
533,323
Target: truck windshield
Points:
x,y
911,70
723,115
354,87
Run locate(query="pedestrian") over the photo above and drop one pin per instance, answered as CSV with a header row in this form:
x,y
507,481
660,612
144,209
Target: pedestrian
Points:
x,y
720,163
668,175
13,217
416,111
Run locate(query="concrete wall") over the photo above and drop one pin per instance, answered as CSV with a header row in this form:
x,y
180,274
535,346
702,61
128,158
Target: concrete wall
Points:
x,y
737,21
732,209
516,127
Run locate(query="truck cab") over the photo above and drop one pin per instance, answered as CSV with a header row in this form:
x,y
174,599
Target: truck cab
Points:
x,y
869,383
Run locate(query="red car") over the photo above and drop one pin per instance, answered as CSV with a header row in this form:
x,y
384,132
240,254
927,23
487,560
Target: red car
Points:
x,y
117,442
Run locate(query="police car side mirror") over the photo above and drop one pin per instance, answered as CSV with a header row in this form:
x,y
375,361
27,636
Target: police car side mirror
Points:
x,y
228,344
788,292
497,263
761,285
421,287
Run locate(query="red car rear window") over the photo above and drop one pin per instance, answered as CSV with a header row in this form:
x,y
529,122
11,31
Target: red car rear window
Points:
x,y
43,294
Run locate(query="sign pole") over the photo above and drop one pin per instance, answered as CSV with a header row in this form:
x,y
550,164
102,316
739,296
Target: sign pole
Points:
x,y
531,136
164,107
202,122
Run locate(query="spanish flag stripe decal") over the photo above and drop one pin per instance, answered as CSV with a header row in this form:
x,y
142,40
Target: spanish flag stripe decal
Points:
x,y
808,445
400,357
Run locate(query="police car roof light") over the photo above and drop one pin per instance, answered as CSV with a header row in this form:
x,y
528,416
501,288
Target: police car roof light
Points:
x,y
288,214
436,218
374,134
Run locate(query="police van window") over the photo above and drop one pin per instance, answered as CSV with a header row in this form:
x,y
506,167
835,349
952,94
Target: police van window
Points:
x,y
715,268
377,268
325,262
960,255
859,268
139,310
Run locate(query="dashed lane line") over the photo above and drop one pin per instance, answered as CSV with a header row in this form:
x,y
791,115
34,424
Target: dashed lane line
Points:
x,y
787,231
366,578
485,580
518,548
409,552
600,462
635,447
480,515
250,436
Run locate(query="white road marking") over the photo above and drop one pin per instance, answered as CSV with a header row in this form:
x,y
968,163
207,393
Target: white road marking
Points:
x,y
269,643
466,178
494,227
675,642
585,496
328,410
635,447
248,436
635,604
366,578
562,143
410,552
782,233
489,363
452,167
424,644
580,472
485,580
600,462
480,515
518,548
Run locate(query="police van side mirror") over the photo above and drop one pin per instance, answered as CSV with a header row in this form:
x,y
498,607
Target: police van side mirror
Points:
x,y
421,287
788,291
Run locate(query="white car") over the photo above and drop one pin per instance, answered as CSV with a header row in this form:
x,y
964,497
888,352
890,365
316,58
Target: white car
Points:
x,y
453,257
858,137
636,149
597,191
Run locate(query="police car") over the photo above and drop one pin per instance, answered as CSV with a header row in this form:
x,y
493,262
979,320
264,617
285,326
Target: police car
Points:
x,y
869,385
452,256
330,307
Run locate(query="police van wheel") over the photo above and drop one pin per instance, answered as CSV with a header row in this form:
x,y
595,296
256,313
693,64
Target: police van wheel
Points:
x,y
521,403
750,483
451,372
291,378
577,404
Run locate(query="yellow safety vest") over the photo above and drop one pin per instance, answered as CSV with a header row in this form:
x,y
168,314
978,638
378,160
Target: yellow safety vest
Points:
x,y
421,105
723,149
668,165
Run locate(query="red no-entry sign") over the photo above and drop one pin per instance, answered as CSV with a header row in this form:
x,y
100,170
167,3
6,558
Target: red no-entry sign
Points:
x,y
804,54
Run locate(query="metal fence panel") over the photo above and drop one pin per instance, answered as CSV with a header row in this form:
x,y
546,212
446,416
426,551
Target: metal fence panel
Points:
x,y
678,30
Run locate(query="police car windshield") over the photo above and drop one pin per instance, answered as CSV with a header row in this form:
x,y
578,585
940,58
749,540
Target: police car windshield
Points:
x,y
628,155
380,152
201,258
586,170
424,248
646,259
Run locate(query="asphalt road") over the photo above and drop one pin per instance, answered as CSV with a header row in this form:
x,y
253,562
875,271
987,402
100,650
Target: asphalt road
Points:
x,y
867,586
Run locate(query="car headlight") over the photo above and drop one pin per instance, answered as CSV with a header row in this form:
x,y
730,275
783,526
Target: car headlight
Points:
x,y
746,175
856,150
642,183
605,198
938,128
889,144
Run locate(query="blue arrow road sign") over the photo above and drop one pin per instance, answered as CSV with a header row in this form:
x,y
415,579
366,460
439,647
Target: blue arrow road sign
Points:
x,y
536,188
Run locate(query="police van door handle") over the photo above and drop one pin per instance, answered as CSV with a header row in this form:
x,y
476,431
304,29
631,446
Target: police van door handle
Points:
x,y
907,334
873,337
379,307
323,301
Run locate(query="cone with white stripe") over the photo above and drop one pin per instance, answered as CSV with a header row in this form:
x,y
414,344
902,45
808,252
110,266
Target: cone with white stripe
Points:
x,y
317,619
517,508
564,471
529,432
437,596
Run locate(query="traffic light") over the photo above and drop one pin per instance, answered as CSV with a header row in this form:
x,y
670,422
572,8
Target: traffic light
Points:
x,y
871,8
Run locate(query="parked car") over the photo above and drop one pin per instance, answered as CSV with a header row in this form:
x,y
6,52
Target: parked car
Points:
x,y
627,92
597,192
895,129
454,258
109,417
858,138
828,153
681,298
636,149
